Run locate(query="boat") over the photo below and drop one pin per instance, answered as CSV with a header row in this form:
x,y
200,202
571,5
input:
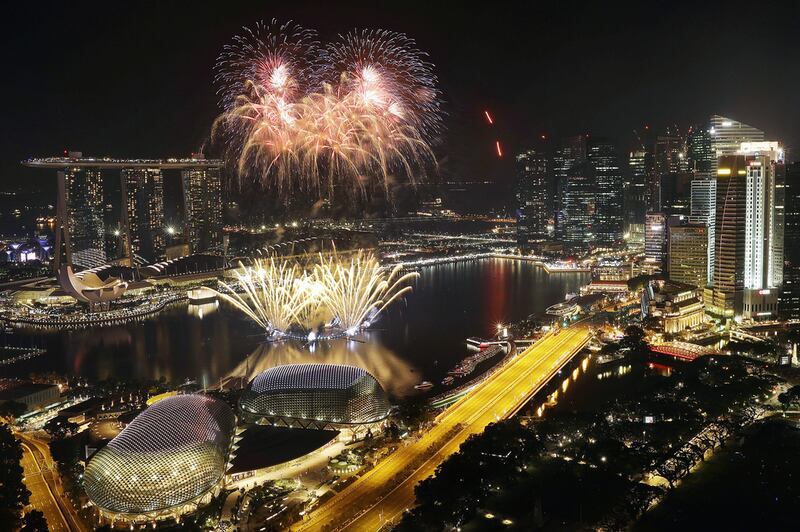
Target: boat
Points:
x,y
424,385
447,381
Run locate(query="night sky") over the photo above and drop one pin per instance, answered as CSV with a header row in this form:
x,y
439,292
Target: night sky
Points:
x,y
135,78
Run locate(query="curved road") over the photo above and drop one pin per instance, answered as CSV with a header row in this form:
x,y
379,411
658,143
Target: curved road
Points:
x,y
382,494
46,495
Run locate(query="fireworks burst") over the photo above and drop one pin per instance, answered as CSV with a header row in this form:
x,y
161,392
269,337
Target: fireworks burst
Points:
x,y
297,114
359,289
346,293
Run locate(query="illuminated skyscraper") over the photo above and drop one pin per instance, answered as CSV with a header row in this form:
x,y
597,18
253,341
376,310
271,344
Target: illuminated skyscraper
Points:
x,y
635,197
727,136
143,212
81,191
580,205
607,225
533,202
720,137
704,199
655,241
202,199
570,152
763,247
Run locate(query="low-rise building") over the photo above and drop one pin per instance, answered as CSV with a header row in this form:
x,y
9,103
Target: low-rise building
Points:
x,y
678,306
34,396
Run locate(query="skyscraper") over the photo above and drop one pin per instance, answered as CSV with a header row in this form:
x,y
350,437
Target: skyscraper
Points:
x,y
731,208
571,151
702,159
764,214
669,158
143,212
704,199
81,190
687,254
727,136
790,292
579,205
607,225
635,197
721,136
202,200
655,241
533,202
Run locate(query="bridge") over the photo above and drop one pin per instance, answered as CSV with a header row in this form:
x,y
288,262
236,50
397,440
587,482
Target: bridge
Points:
x,y
381,495
681,350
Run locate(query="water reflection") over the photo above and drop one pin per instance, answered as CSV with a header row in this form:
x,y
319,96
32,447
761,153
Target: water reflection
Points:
x,y
419,339
397,376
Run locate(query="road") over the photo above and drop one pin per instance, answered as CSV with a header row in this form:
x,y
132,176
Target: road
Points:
x,y
46,495
382,494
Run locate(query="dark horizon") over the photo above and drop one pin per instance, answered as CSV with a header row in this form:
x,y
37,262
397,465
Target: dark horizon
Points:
x,y
136,79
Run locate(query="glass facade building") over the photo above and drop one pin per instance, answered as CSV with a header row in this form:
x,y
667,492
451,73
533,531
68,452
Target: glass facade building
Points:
x,y
533,202
607,224
322,394
169,458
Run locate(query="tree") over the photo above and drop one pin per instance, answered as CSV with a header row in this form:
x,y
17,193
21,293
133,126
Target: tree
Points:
x,y
34,522
60,427
11,410
13,493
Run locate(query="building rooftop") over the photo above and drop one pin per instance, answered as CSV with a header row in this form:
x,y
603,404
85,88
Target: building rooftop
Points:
x,y
11,390
265,446
112,163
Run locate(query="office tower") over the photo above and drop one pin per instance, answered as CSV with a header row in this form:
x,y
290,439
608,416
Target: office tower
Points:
x,y
727,136
607,225
655,241
81,191
687,254
764,215
790,291
729,244
701,157
676,193
533,201
635,199
571,151
704,199
669,159
202,200
579,205
143,213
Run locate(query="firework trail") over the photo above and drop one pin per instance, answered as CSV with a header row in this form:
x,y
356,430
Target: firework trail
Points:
x,y
359,289
297,114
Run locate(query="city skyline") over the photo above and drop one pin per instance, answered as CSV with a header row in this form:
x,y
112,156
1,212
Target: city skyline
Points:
x,y
523,109
399,266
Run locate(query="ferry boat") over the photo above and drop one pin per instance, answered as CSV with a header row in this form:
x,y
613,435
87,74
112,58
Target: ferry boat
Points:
x,y
424,385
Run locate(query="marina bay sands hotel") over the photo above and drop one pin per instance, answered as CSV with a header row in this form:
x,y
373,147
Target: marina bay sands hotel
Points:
x,y
143,236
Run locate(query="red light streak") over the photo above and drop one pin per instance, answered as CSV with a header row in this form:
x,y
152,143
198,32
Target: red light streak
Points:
x,y
499,149
488,117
